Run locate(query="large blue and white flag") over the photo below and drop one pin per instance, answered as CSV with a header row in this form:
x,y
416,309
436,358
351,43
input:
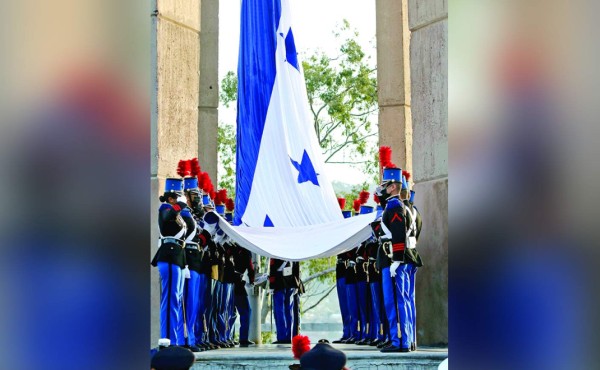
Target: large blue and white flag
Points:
x,y
281,177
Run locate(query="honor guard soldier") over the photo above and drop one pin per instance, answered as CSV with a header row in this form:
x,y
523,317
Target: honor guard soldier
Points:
x,y
393,224
340,277
170,260
351,295
412,258
203,322
242,259
229,279
378,317
363,295
192,289
282,299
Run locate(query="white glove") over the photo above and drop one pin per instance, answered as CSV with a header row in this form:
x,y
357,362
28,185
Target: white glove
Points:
x,y
270,291
220,239
393,268
186,273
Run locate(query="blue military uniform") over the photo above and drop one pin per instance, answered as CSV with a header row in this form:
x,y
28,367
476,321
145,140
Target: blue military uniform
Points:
x,y
284,279
194,285
242,259
394,237
340,278
170,260
413,260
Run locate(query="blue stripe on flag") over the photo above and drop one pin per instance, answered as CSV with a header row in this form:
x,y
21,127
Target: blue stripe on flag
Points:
x,y
256,77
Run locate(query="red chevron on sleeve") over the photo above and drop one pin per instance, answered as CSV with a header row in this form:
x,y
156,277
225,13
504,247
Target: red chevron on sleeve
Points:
x,y
396,218
397,247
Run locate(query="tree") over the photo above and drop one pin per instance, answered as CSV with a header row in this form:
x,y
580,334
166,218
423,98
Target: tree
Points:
x,y
226,147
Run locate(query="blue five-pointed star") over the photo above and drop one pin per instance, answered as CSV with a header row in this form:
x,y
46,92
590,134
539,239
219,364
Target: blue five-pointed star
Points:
x,y
291,56
306,171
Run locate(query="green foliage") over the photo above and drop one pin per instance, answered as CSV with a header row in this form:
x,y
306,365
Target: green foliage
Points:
x,y
267,337
342,94
228,91
226,149
313,266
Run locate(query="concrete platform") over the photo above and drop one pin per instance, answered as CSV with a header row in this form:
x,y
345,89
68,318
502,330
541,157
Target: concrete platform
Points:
x,y
270,356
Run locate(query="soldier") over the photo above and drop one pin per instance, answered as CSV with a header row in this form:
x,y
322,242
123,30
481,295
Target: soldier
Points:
x,y
170,260
351,295
393,224
220,265
377,323
363,294
204,283
413,259
340,277
242,259
229,279
191,290
215,315
282,299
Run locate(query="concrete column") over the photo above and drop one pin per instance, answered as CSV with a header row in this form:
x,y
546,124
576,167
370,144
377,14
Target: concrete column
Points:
x,y
209,88
428,22
393,80
254,297
175,99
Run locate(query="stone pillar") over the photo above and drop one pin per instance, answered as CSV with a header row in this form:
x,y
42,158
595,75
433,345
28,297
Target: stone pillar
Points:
x,y
393,80
175,100
255,300
428,22
209,88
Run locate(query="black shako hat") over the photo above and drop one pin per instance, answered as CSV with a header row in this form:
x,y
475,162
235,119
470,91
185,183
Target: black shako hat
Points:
x,y
323,357
173,358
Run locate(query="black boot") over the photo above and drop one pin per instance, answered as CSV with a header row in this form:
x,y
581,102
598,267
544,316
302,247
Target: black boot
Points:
x,y
192,348
246,343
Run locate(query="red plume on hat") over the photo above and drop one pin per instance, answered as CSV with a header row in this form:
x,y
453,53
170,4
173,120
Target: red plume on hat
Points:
x,y
221,196
356,205
376,198
195,167
406,174
300,345
184,168
229,204
385,157
202,181
342,203
363,197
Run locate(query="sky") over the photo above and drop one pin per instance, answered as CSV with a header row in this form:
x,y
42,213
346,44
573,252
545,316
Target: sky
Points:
x,y
314,22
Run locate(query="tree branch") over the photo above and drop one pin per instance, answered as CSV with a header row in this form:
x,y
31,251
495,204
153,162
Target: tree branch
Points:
x,y
320,300
363,114
318,274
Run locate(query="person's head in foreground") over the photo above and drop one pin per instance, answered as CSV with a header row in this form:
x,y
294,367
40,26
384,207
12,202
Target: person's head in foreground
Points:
x,y
172,358
321,357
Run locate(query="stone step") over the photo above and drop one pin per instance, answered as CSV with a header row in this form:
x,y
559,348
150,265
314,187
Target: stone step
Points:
x,y
271,356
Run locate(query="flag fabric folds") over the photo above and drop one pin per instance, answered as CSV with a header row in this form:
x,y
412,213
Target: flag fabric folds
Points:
x,y
302,242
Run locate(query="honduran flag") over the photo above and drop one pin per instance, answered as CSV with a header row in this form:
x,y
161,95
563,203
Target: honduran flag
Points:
x,y
281,178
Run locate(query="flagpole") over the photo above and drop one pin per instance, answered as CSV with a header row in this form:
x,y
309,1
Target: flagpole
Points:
x,y
255,305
